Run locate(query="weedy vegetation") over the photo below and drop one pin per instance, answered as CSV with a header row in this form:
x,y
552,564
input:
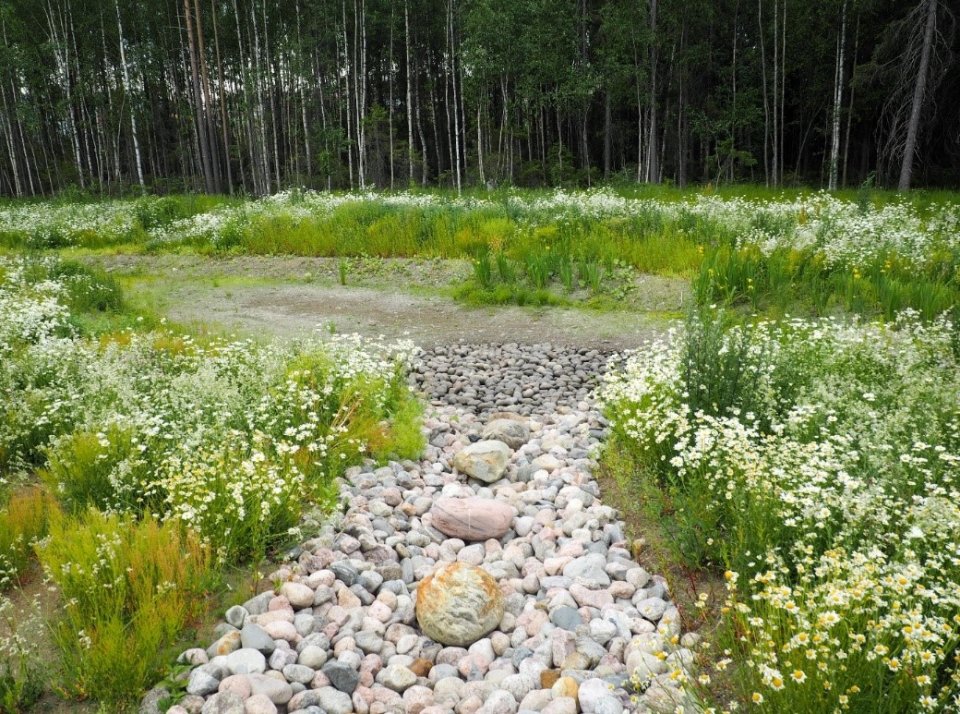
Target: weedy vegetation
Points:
x,y
817,465
140,463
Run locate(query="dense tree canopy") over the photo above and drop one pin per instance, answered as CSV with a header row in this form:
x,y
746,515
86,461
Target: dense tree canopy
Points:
x,y
259,95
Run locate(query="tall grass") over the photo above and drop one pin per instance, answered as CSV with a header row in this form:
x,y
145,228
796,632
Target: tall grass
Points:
x,y
804,282
24,518
129,589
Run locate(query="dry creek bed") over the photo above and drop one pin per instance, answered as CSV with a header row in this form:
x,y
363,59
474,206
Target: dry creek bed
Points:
x,y
504,495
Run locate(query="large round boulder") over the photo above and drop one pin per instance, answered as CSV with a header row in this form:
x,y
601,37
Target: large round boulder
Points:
x,y
471,519
514,432
458,604
484,460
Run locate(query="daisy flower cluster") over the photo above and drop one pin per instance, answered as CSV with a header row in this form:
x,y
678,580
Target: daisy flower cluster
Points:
x,y
845,233
52,224
231,437
818,463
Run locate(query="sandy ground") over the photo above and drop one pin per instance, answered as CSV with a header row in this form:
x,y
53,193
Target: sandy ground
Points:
x,y
291,296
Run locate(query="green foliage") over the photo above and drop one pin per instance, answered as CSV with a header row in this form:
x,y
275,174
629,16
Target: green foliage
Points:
x,y
817,463
129,589
24,518
403,434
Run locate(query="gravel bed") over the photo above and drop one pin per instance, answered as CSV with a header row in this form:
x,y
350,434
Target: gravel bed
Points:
x,y
526,379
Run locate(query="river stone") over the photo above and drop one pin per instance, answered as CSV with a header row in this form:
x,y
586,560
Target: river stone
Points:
x,y
236,616
592,693
397,677
246,661
589,568
484,460
259,704
276,690
299,595
472,519
341,676
566,618
513,432
458,604
202,683
333,701
223,703
150,704
255,637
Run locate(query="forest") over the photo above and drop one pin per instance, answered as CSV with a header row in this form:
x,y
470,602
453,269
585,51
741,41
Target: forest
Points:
x,y
255,96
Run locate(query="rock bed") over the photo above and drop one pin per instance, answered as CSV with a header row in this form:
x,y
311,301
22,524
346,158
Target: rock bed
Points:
x,y
582,627
526,379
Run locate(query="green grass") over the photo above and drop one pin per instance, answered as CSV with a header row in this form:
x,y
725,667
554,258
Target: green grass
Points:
x,y
538,241
802,282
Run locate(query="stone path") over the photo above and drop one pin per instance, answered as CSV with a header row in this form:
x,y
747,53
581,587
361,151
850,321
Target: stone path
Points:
x,y
487,578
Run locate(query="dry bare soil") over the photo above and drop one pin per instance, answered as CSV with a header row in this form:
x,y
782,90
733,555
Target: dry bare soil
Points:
x,y
393,298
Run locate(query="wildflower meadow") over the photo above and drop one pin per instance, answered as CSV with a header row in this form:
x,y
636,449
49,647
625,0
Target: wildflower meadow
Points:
x,y
815,464
816,253
795,437
162,458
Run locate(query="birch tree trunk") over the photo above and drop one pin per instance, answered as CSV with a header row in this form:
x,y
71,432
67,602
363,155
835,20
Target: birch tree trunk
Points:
x,y
837,102
846,139
916,104
652,168
453,86
406,49
126,90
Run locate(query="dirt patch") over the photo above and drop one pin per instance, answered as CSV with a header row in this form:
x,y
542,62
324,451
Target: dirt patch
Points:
x,y
290,297
292,310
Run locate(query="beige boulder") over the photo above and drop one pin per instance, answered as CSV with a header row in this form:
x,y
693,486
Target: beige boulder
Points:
x,y
483,460
458,604
514,432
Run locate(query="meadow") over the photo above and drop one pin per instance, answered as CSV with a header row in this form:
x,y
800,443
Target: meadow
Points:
x,y
140,464
798,436
806,253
